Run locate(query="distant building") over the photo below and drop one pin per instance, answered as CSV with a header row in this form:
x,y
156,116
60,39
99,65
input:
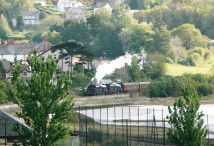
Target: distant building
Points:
x,y
75,14
62,5
63,64
100,5
25,72
40,3
21,51
30,17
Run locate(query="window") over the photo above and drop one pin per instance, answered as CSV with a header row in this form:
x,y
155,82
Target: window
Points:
x,y
55,57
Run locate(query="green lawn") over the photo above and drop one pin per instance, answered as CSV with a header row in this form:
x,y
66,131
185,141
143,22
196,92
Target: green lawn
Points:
x,y
176,69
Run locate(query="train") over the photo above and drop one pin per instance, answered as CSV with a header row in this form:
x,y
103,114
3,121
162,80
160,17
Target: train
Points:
x,y
115,88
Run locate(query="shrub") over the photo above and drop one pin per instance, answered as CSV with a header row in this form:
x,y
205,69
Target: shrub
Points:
x,y
205,89
199,78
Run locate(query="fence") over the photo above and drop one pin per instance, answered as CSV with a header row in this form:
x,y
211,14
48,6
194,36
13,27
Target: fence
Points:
x,y
128,126
7,136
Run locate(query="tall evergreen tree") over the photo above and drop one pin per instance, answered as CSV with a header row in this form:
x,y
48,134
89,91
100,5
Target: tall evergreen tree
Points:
x,y
188,125
5,30
41,98
20,22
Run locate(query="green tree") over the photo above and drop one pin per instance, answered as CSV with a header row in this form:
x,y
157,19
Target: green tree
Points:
x,y
37,38
162,40
189,35
80,81
3,95
136,37
54,37
41,95
20,22
77,31
187,122
154,66
94,23
5,30
69,49
48,21
134,71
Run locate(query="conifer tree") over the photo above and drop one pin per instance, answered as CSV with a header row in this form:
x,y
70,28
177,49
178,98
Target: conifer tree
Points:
x,y
5,30
41,98
187,124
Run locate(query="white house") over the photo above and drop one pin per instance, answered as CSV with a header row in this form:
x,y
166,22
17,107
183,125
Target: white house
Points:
x,y
100,5
62,5
30,17
77,14
21,51
63,64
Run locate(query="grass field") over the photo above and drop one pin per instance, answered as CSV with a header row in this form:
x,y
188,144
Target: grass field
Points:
x,y
177,69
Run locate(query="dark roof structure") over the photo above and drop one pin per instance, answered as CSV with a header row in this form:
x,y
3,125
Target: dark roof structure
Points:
x,y
23,48
29,13
7,65
8,120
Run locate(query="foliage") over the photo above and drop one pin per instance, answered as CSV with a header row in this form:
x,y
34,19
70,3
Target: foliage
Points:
x,y
189,35
5,30
20,22
77,31
2,72
41,95
54,37
118,141
162,41
80,81
165,86
154,66
134,72
3,92
187,122
136,37
37,38
48,21
205,89
69,49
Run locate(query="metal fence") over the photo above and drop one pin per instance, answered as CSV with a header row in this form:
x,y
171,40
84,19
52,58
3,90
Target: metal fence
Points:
x,y
128,126
7,135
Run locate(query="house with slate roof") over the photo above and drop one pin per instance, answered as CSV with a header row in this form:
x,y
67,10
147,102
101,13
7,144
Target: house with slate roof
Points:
x,y
6,65
21,51
30,18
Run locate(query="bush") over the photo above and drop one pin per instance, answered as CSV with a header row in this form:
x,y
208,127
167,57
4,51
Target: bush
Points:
x,y
199,78
163,87
205,89
119,141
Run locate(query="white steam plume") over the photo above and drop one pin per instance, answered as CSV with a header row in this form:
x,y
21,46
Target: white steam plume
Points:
x,y
108,68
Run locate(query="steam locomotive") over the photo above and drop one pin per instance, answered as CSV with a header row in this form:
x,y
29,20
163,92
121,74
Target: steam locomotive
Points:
x,y
115,88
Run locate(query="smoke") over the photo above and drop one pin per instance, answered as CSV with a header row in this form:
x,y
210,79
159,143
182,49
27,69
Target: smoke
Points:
x,y
109,68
